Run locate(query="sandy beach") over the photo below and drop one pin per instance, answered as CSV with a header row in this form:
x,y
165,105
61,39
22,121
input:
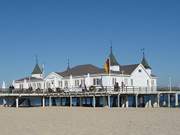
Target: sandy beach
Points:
x,y
89,121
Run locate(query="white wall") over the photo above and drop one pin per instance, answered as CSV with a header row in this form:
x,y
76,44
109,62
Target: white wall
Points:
x,y
52,80
33,84
141,79
115,68
37,75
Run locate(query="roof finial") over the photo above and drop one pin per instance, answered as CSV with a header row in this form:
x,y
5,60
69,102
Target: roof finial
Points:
x,y
36,57
111,46
143,50
68,67
144,62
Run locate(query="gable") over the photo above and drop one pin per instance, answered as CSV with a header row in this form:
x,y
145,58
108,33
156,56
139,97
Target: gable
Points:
x,y
141,72
53,75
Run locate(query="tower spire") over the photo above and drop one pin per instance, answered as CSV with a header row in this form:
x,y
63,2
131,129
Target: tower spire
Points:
x,y
113,61
111,51
37,69
143,50
144,62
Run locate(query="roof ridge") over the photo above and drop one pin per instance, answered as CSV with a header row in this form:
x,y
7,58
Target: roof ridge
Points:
x,y
130,64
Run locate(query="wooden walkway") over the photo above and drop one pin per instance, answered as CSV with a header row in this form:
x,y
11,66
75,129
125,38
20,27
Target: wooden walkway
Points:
x,y
121,96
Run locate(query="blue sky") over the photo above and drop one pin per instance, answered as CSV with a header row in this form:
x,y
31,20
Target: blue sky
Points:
x,y
82,29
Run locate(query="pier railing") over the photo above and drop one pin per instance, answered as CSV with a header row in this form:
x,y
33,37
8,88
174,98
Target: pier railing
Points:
x,y
93,89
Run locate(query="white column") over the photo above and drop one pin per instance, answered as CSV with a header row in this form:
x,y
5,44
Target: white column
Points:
x,y
71,82
50,101
80,101
123,101
70,101
109,101
94,101
150,103
87,81
104,101
136,100
177,99
17,102
169,100
127,102
118,102
43,101
158,100
4,102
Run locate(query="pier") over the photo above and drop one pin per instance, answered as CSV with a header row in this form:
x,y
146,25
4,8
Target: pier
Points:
x,y
129,97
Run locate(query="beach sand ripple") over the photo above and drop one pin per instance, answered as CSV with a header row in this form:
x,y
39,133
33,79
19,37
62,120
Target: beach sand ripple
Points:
x,y
89,121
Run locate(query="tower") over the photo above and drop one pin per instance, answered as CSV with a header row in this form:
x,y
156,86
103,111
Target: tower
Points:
x,y
145,63
114,65
37,71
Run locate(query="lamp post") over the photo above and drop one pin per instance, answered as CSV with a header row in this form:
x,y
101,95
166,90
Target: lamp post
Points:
x,y
170,84
122,72
170,89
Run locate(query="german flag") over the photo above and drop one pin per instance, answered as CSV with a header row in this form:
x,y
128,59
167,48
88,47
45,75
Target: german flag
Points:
x,y
107,66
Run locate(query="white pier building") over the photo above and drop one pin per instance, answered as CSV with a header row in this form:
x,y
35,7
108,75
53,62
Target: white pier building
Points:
x,y
89,76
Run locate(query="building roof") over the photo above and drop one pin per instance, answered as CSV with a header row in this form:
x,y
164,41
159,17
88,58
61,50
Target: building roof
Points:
x,y
29,78
128,69
37,70
153,75
91,69
81,70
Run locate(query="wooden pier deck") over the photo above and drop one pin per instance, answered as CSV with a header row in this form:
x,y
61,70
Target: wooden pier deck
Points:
x,y
119,97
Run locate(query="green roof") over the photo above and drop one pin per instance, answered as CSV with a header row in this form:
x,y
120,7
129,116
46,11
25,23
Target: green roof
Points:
x,y
144,62
37,70
113,60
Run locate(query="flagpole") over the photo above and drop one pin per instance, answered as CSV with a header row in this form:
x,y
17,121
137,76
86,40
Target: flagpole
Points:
x,y
110,72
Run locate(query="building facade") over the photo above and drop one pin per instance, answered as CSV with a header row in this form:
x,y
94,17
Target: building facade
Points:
x,y
89,76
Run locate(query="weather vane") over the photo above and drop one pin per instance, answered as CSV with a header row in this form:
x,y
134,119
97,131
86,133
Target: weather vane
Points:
x,y
143,50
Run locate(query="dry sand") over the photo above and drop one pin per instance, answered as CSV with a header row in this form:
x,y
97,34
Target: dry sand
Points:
x,y
89,121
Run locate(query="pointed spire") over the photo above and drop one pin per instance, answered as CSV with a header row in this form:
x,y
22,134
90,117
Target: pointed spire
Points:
x,y
112,58
37,69
68,67
111,51
144,62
